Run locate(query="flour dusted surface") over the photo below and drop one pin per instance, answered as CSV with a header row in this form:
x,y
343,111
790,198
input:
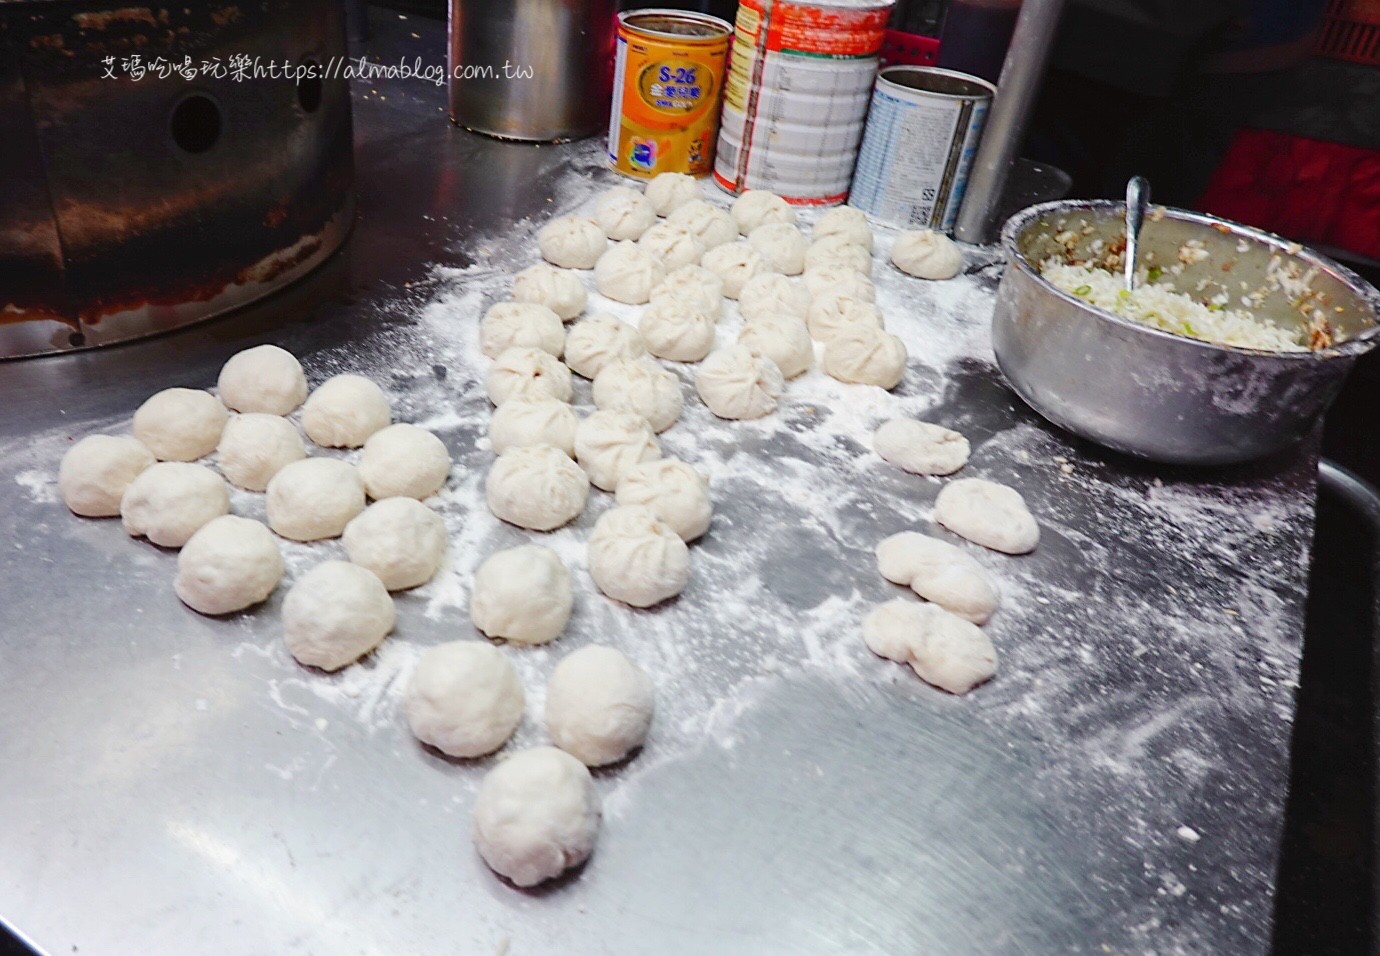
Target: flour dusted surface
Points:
x,y
1155,626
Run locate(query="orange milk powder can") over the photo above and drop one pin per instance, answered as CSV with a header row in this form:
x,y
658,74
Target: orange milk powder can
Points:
x,y
667,82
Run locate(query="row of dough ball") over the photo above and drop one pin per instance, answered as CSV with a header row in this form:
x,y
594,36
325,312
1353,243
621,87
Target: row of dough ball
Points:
x,y
940,639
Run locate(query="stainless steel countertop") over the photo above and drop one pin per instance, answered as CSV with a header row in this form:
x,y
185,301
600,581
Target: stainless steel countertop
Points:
x,y
175,784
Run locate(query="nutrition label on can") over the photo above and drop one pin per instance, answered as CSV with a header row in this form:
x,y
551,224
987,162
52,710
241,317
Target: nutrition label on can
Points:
x,y
914,158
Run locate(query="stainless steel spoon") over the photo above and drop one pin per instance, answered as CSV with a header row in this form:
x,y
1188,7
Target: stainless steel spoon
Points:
x,y
1137,198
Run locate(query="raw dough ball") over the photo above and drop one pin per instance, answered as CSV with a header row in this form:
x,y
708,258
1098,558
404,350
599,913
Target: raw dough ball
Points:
x,y
847,222
262,379
571,242
180,424
536,816
830,316
988,514
838,251
945,650
624,213
927,254
921,447
464,698
544,422
939,572
782,246
335,614
636,558
695,285
757,207
536,487
520,325
528,375
673,244
667,192
254,447
676,329
782,338
770,295
737,382
598,340
735,263
608,443
642,387
228,565
704,219
599,705
96,471
404,460
344,411
314,498
835,280
627,272
523,595
560,290
676,493
865,355
170,501
399,539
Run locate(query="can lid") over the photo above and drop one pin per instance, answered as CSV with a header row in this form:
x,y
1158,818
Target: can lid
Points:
x,y
675,24
937,81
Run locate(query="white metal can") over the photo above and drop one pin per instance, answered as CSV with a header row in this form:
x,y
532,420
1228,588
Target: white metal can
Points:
x,y
922,133
799,77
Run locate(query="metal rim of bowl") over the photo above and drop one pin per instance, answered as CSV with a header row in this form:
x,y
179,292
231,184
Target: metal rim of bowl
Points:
x,y
1355,345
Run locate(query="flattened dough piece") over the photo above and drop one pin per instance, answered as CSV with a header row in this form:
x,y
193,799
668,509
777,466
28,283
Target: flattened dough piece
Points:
x,y
921,447
939,572
945,650
987,513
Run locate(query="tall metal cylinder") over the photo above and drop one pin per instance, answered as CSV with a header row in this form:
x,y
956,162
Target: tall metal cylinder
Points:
x,y
1016,92
536,70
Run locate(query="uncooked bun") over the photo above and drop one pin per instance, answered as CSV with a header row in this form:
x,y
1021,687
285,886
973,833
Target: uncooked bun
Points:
x,y
536,816
642,387
401,540
463,698
571,242
636,558
254,447
314,499
180,424
737,382
335,614
263,379
344,411
926,254
170,501
627,272
560,290
520,325
599,705
598,340
96,471
675,492
536,487
528,374
404,460
522,594
229,564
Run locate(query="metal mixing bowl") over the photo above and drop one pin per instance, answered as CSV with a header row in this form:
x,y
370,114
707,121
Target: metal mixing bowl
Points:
x,y
1162,396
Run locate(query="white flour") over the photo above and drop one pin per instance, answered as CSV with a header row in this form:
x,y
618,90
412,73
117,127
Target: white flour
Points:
x,y
786,573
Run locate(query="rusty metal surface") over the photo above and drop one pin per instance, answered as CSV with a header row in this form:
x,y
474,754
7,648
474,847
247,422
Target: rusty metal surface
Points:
x,y
170,198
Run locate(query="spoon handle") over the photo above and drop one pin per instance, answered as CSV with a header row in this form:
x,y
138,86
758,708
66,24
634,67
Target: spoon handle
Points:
x,y
1137,198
